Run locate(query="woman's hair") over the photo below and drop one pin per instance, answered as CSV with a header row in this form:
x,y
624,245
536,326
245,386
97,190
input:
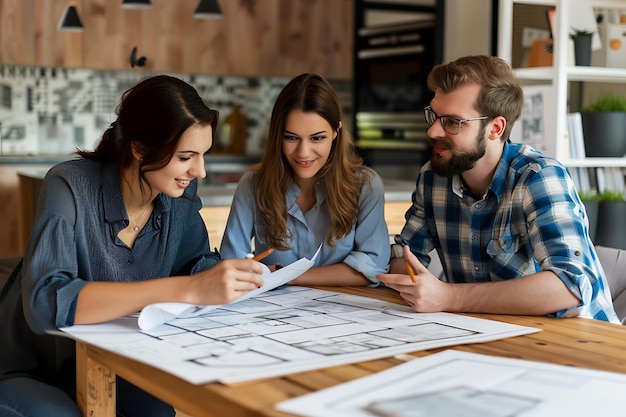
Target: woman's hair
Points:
x,y
342,175
501,93
151,117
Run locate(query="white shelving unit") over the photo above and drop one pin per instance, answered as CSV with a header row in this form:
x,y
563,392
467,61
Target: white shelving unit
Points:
x,y
561,73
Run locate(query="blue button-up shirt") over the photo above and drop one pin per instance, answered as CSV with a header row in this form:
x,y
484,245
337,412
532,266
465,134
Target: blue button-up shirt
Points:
x,y
529,220
75,240
365,248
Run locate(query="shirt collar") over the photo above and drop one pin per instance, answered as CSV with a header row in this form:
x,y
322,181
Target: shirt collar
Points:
x,y
502,171
294,191
113,197
499,179
457,186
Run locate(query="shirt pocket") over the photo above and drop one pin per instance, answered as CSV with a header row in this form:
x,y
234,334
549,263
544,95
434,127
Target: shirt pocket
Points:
x,y
259,233
509,257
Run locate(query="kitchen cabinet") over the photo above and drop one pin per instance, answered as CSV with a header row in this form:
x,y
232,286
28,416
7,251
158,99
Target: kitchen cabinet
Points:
x,y
561,73
267,38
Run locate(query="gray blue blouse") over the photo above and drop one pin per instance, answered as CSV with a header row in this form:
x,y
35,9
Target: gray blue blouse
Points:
x,y
365,249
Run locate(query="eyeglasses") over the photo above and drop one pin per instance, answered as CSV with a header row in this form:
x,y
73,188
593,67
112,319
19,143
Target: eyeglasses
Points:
x,y
452,125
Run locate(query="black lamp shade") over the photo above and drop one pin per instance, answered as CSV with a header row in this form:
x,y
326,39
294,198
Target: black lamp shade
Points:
x,y
208,9
136,4
70,20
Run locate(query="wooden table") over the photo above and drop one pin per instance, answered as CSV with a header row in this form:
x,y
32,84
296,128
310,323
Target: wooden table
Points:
x,y
578,342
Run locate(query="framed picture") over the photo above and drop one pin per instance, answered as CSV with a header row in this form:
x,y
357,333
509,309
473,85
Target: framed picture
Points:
x,y
536,127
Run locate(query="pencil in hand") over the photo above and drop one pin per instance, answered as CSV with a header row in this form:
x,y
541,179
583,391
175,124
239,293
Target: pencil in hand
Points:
x,y
263,254
409,269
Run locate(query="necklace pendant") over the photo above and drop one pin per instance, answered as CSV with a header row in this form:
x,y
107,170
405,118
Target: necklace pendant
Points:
x,y
136,228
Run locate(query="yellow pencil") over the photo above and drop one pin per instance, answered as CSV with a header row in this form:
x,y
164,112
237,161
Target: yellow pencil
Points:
x,y
409,269
263,254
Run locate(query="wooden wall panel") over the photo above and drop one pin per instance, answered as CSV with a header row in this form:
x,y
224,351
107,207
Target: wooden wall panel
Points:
x,y
315,36
9,211
16,22
28,34
254,38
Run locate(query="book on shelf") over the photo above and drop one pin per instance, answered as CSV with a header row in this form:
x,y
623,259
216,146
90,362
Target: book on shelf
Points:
x,y
576,144
601,180
593,181
585,180
576,136
616,181
611,179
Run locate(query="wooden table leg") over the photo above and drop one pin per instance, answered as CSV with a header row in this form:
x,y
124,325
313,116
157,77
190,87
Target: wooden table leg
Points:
x,y
95,385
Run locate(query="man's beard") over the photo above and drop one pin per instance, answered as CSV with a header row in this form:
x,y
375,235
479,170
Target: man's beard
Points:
x,y
459,162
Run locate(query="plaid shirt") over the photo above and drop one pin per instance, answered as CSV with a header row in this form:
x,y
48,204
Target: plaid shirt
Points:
x,y
529,220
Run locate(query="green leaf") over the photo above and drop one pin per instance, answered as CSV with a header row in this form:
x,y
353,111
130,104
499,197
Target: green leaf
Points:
x,y
608,102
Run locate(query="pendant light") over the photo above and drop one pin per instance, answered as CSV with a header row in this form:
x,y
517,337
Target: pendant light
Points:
x,y
70,21
136,4
208,9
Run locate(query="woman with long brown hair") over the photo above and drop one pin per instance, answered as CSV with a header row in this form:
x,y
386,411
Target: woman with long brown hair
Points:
x,y
311,189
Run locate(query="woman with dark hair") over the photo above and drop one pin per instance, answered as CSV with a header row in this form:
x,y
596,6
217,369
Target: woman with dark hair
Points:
x,y
311,188
116,230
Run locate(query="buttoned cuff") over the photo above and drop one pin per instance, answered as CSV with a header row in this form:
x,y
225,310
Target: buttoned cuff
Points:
x,y
396,251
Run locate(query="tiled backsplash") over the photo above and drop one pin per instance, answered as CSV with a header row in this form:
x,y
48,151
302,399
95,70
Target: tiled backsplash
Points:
x,y
47,111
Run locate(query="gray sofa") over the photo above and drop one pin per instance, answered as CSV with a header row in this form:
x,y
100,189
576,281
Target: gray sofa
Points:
x,y
614,264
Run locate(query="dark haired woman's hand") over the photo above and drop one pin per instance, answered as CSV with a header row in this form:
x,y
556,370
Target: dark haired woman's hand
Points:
x,y
225,282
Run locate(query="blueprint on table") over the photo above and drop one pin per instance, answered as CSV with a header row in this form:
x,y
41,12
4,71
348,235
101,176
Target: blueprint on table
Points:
x,y
286,330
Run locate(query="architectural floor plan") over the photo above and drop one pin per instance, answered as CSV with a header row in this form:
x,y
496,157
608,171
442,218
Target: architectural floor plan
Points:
x,y
463,384
288,329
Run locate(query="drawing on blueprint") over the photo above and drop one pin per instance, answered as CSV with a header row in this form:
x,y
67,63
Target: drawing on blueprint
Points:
x,y
463,384
286,330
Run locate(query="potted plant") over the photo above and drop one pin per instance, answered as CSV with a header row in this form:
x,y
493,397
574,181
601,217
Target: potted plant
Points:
x,y
611,223
582,46
604,126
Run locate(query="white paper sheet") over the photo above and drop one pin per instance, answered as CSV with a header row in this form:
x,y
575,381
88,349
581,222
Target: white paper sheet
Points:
x,y
462,384
285,330
156,314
